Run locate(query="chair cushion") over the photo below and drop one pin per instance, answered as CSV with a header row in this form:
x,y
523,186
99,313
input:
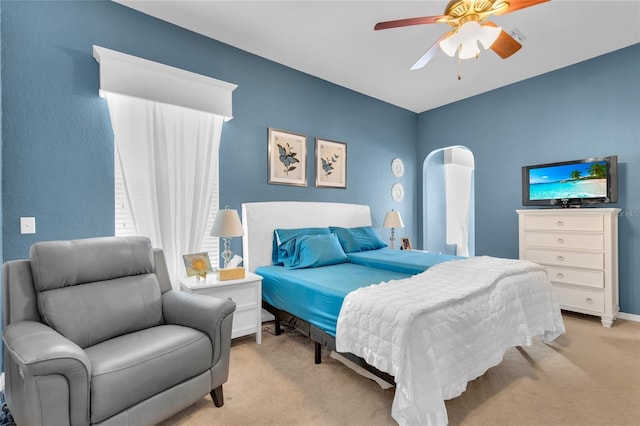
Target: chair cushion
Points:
x,y
93,289
131,368
56,264
88,314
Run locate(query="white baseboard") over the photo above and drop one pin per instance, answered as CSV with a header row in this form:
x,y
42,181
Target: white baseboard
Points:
x,y
630,317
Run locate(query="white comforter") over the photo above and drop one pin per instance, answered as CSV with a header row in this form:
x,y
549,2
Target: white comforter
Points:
x,y
438,330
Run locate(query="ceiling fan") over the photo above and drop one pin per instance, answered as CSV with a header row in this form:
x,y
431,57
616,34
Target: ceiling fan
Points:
x,y
468,19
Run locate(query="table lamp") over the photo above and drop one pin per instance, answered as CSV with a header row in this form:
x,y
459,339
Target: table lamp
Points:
x,y
226,225
393,220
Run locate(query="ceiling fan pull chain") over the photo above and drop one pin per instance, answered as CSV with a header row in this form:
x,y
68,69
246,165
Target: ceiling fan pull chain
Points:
x,y
459,61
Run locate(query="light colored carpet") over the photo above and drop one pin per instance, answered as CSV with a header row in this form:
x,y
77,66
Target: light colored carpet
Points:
x,y
590,376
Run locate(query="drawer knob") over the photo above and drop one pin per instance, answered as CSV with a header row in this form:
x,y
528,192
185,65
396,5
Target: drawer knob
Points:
x,y
560,275
560,258
560,223
560,241
588,300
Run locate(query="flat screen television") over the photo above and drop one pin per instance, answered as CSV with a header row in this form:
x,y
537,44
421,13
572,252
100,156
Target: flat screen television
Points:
x,y
571,183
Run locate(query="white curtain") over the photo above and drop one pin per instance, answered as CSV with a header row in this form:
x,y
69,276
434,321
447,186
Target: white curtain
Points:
x,y
458,179
169,161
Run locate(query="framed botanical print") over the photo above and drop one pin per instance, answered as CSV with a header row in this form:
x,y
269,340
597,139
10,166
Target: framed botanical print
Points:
x,y
331,164
287,161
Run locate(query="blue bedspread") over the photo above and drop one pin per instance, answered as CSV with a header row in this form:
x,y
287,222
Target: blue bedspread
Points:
x,y
316,294
405,261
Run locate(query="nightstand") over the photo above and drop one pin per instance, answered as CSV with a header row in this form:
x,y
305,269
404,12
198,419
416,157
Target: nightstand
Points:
x,y
245,292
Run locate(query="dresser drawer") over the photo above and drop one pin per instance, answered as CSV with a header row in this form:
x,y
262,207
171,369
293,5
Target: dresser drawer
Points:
x,y
242,296
582,277
566,258
245,296
565,240
244,322
562,222
581,299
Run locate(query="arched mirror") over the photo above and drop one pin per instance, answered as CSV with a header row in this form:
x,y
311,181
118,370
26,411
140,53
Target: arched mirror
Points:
x,y
449,201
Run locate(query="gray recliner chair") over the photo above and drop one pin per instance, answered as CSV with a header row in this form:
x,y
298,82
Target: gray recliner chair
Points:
x,y
94,334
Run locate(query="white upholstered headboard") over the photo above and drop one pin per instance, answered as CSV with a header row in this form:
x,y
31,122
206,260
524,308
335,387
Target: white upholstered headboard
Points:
x,y
260,219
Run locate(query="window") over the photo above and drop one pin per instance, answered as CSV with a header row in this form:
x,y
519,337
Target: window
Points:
x,y
125,225
167,124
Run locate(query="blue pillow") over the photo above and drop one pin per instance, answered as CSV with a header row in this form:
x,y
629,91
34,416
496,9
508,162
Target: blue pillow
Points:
x,y
363,238
316,250
284,241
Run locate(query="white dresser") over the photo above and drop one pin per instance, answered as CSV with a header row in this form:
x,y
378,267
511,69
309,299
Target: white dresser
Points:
x,y
579,250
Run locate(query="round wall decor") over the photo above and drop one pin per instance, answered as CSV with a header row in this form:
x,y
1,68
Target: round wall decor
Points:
x,y
397,192
397,167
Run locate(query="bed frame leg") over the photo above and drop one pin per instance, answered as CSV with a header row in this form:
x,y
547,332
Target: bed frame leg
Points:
x,y
278,330
318,351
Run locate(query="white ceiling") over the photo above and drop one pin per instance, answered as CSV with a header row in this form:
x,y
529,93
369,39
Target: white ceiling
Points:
x,y
335,41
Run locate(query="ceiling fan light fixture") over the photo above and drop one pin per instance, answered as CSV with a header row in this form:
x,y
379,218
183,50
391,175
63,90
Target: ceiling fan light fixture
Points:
x,y
465,17
469,50
450,45
488,35
466,39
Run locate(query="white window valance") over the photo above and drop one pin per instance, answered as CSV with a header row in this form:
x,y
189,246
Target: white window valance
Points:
x,y
140,78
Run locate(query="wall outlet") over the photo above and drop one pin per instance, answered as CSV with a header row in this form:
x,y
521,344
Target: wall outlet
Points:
x,y
27,225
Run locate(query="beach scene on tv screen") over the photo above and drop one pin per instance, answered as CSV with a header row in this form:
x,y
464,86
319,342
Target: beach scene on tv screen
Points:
x,y
578,180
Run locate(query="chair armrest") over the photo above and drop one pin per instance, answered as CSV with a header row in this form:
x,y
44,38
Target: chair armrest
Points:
x,y
39,350
204,313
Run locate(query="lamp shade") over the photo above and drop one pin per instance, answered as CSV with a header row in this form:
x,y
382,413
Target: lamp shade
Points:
x,y
467,38
226,224
393,220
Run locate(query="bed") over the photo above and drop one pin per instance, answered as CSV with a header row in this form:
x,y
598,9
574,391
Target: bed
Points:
x,y
428,322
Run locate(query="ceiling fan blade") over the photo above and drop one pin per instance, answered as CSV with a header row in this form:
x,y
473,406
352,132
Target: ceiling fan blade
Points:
x,y
505,45
426,57
429,54
516,5
408,22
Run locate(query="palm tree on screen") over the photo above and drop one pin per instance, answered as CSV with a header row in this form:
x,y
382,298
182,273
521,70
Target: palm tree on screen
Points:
x,y
598,170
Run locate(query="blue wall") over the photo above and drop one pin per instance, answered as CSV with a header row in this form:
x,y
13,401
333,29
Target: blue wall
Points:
x,y
587,110
58,141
